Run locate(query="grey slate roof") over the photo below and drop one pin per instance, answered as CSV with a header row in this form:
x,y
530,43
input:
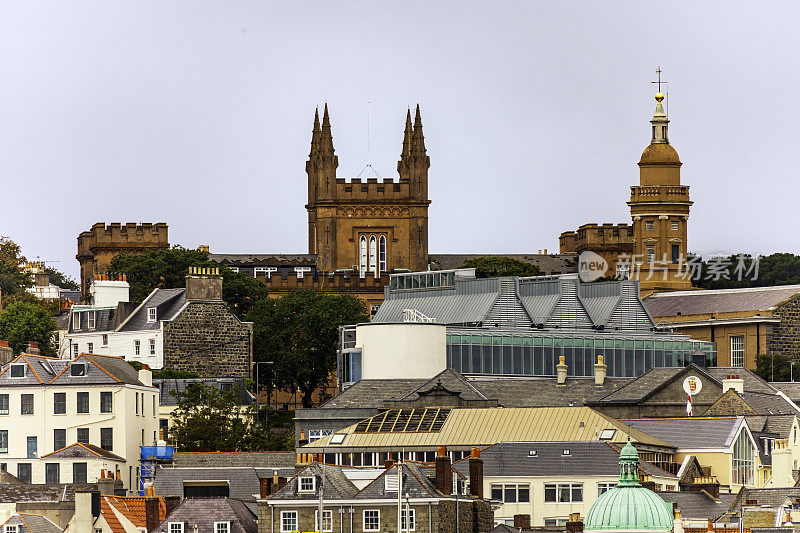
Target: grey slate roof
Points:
x,y
31,523
80,449
100,369
544,391
548,263
768,404
768,497
698,505
243,482
234,459
168,387
790,389
371,393
416,484
563,302
667,304
42,493
752,382
452,381
691,432
104,319
593,458
199,514
336,486
167,302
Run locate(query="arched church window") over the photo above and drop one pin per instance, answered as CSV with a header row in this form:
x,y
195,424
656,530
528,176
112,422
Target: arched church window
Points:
x,y
373,253
382,253
362,256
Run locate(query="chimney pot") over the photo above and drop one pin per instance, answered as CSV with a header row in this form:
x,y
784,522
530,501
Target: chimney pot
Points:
x,y
561,371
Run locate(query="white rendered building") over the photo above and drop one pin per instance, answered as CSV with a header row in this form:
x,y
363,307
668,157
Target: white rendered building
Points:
x,y
66,421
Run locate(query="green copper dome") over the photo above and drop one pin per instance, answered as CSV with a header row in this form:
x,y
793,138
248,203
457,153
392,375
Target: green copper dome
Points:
x,y
629,506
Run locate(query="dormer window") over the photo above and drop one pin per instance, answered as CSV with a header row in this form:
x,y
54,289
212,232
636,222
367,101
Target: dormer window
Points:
x,y
151,314
76,321
91,319
307,484
18,370
77,369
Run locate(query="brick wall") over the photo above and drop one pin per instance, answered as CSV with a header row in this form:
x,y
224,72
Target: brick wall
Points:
x,y
785,337
208,339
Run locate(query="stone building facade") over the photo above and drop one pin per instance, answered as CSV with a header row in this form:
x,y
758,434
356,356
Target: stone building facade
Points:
x,y
374,225
98,246
206,338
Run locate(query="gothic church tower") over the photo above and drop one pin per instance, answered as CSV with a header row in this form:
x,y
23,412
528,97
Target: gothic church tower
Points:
x,y
660,212
371,225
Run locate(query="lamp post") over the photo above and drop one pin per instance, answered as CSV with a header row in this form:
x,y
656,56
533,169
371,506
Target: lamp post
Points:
x,y
258,388
791,371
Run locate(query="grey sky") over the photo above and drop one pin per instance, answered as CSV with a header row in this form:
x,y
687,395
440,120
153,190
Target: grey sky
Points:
x,y
199,114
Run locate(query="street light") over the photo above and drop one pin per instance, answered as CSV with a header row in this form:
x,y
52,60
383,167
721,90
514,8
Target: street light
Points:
x,y
258,387
791,371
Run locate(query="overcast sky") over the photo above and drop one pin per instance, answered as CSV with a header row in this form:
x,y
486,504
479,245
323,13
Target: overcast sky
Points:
x,y
199,114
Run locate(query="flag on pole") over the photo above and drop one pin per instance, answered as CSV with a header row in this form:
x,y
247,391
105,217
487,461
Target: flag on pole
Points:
x,y
689,405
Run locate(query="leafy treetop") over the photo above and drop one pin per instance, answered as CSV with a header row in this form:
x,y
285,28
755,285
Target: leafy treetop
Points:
x,y
495,266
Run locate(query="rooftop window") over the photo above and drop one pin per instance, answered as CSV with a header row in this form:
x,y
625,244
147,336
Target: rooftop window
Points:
x,y
77,369
151,314
18,370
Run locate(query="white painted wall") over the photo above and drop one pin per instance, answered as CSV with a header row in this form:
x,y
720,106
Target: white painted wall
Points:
x,y
408,350
120,344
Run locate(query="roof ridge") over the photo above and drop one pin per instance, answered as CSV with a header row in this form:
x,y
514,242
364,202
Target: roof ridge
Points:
x,y
723,291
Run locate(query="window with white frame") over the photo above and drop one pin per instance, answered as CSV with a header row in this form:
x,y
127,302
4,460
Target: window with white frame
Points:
x,y
3,441
288,521
602,488
268,271
75,350
373,255
362,256
18,370
91,319
316,434
737,351
407,520
299,271
90,347
152,313
555,522
327,520
105,339
382,253
137,347
222,527
307,484
152,346
76,321
3,404
743,460
649,225
511,493
11,529
78,369
176,527
563,492
372,520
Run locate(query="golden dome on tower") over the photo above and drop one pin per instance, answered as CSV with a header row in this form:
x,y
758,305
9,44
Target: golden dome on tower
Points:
x,y
659,97
659,153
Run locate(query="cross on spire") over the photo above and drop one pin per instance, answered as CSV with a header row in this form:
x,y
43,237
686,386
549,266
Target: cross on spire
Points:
x,y
659,82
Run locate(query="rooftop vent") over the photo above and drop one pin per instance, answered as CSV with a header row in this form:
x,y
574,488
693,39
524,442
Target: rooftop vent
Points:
x,y
412,315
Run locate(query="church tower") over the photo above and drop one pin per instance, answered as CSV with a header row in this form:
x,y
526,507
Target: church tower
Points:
x,y
660,212
373,225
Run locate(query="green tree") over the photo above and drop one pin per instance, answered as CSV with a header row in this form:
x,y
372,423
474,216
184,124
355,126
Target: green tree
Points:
x,y
13,279
299,333
62,280
494,266
167,269
209,419
22,322
778,367
742,271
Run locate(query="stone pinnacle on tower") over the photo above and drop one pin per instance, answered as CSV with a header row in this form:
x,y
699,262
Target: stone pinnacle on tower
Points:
x,y
417,137
326,136
405,155
660,122
315,134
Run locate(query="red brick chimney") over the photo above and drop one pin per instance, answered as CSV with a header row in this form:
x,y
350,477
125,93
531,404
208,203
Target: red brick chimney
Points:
x,y
151,516
6,353
476,476
521,521
444,473
33,348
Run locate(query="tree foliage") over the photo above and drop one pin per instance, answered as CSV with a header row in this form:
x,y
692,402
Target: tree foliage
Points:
x,y
209,419
22,322
494,266
62,280
299,334
13,279
743,270
167,269
778,367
